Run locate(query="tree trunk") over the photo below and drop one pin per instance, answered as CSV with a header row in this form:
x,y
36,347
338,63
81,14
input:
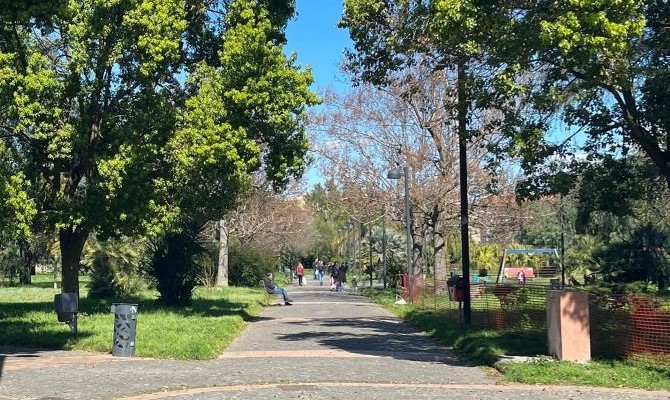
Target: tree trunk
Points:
x,y
222,270
56,274
72,242
440,262
25,277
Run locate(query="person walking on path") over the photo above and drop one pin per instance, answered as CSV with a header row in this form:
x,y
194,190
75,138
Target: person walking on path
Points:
x,y
272,288
300,271
321,273
342,277
318,272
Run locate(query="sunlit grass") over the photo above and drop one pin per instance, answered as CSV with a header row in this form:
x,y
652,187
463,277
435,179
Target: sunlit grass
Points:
x,y
485,347
202,331
606,373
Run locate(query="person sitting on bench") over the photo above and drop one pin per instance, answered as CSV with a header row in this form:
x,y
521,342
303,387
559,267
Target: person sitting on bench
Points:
x,y
272,288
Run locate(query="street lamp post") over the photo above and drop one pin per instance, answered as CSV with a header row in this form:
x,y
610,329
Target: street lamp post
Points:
x,y
395,173
384,249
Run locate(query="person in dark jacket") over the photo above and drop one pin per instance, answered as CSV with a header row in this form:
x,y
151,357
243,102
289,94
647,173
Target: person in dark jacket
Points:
x,y
342,276
272,288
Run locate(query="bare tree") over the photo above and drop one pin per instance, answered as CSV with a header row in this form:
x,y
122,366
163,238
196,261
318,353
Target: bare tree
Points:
x,y
266,219
365,132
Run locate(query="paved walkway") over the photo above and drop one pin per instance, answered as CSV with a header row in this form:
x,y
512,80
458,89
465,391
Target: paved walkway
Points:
x,y
326,346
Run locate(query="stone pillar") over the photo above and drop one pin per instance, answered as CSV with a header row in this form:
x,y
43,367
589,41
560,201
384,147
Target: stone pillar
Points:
x,y
568,330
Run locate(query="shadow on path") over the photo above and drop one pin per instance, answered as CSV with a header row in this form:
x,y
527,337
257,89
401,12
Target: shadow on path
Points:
x,y
374,336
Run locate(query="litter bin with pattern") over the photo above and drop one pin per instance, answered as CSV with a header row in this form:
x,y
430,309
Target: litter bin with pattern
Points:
x,y
125,328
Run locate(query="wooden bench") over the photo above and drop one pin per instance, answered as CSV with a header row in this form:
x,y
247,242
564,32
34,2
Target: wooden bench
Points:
x,y
477,290
548,271
513,272
280,299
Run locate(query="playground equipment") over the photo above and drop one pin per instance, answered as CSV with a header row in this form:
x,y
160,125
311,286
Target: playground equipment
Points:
x,y
529,273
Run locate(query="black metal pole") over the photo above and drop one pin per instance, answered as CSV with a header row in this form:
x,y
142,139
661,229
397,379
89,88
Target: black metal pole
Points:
x,y
384,251
562,245
370,250
463,169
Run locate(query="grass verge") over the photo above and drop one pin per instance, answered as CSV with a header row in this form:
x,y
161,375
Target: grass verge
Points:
x,y
485,347
202,331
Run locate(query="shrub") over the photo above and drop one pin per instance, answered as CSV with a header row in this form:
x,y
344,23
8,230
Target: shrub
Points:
x,y
172,266
114,268
643,257
207,268
109,279
249,264
10,263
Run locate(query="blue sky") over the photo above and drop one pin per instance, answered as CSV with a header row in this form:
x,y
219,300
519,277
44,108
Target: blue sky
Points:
x,y
320,44
317,40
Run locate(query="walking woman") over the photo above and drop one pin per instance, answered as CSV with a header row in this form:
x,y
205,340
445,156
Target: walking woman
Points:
x,y
300,271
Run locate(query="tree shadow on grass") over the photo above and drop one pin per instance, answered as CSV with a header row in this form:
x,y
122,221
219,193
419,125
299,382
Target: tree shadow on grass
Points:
x,y
201,307
24,324
17,329
206,308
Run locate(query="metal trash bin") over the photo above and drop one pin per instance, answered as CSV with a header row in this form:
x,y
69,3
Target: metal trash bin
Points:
x,y
125,328
67,307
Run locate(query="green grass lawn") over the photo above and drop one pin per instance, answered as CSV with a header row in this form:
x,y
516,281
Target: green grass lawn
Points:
x,y
202,331
484,347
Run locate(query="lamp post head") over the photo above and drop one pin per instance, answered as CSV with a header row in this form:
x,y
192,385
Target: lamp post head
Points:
x,y
395,173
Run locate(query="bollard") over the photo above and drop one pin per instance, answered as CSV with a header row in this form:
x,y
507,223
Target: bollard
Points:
x,y
125,328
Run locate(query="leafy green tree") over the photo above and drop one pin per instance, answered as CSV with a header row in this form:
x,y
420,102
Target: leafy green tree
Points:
x,y
10,262
622,187
396,256
642,256
624,204
329,215
601,66
17,209
97,122
596,64
580,257
17,213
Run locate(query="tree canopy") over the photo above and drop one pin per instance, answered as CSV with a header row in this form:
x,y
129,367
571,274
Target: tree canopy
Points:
x,y
596,67
132,116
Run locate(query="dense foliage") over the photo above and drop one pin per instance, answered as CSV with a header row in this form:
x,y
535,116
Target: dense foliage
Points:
x,y
249,264
576,88
139,116
114,267
171,266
